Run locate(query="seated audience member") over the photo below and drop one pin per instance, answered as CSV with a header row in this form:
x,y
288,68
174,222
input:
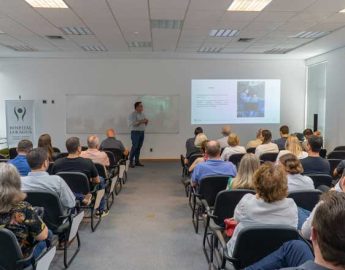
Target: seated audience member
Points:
x,y
307,133
255,143
327,237
213,166
199,159
199,139
45,142
293,146
233,148
284,133
19,216
20,162
223,142
314,163
113,143
93,153
339,169
270,205
74,163
39,180
244,178
293,168
190,146
267,146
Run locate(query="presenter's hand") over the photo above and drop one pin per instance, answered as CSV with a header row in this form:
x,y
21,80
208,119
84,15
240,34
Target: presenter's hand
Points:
x,y
146,121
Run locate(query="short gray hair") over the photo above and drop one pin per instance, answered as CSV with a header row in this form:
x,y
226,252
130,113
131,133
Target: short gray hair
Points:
x,y
92,141
10,186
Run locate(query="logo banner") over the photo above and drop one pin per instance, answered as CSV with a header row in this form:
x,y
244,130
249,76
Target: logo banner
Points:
x,y
19,121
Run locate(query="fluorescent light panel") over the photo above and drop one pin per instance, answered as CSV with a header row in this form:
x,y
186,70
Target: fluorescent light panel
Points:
x,y
76,30
342,11
93,48
210,50
47,3
248,5
310,35
21,48
278,51
166,24
140,44
223,33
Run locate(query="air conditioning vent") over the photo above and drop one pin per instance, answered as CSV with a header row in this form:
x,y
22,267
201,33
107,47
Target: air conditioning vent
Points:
x,y
245,39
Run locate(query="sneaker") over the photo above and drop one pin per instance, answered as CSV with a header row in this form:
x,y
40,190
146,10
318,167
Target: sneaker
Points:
x,y
139,164
131,165
103,213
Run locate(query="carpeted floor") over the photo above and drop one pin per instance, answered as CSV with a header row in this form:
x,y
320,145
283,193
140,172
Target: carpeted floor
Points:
x,y
149,227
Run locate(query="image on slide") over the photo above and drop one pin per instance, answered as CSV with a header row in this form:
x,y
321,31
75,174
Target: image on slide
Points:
x,y
250,99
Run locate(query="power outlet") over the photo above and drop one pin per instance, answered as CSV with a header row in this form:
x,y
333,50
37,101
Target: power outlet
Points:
x,y
151,149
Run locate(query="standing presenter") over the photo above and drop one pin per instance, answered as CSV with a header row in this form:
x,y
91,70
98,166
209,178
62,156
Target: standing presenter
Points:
x,y
137,123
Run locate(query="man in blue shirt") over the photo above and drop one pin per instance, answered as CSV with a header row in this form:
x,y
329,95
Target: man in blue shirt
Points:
x,y
213,166
20,162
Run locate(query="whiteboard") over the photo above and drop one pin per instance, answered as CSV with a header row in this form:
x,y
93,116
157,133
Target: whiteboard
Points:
x,y
88,114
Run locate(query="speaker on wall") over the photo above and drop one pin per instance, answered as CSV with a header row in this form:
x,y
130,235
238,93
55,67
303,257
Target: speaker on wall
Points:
x,y
315,121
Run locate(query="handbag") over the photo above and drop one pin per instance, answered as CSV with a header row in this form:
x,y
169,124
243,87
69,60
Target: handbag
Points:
x,y
230,225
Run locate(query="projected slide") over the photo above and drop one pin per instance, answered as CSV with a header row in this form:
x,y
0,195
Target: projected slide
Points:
x,y
235,101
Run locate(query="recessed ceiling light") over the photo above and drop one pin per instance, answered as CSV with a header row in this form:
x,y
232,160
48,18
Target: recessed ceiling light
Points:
x,y
223,33
310,35
73,30
342,11
166,24
210,50
140,44
93,48
47,3
21,48
248,5
279,51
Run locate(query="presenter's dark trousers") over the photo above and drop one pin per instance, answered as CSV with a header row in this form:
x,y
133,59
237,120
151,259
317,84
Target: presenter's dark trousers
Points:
x,y
137,138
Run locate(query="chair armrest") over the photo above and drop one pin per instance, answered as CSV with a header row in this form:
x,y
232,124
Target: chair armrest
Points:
x,y
222,242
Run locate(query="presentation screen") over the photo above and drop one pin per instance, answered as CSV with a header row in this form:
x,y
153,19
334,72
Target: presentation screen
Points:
x,y
235,101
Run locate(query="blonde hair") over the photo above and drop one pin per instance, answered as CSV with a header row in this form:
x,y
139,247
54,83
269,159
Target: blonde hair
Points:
x,y
244,178
233,140
199,139
10,185
293,145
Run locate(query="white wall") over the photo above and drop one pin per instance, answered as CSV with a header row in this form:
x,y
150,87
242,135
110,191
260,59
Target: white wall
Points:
x,y
335,95
49,79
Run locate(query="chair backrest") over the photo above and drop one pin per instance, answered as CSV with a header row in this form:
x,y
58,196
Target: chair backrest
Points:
x,y
306,199
56,150
2,157
269,157
333,163
226,202
336,155
323,153
251,150
210,186
255,242
193,157
101,170
112,160
339,148
77,181
61,155
50,167
84,148
13,152
10,250
51,203
118,154
321,179
236,159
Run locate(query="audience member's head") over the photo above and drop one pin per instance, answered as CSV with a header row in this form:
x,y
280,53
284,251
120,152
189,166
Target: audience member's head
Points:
x,y
226,131
267,136
270,182
198,130
307,132
110,133
38,159
10,186
203,146
138,106
291,164
213,149
259,134
284,131
92,142
24,147
328,234
244,178
73,145
293,145
317,133
315,143
233,140
45,141
199,139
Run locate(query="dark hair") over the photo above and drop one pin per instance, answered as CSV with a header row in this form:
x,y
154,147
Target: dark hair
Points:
x,y
315,143
284,129
36,157
136,104
72,144
24,146
291,164
267,135
212,149
198,130
307,132
329,223
45,141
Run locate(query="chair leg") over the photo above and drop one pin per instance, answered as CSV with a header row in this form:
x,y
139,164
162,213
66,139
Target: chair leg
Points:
x,y
205,239
67,262
195,216
118,186
93,225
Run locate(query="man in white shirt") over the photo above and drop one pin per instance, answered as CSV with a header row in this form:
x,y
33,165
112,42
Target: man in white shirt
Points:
x,y
39,180
223,142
